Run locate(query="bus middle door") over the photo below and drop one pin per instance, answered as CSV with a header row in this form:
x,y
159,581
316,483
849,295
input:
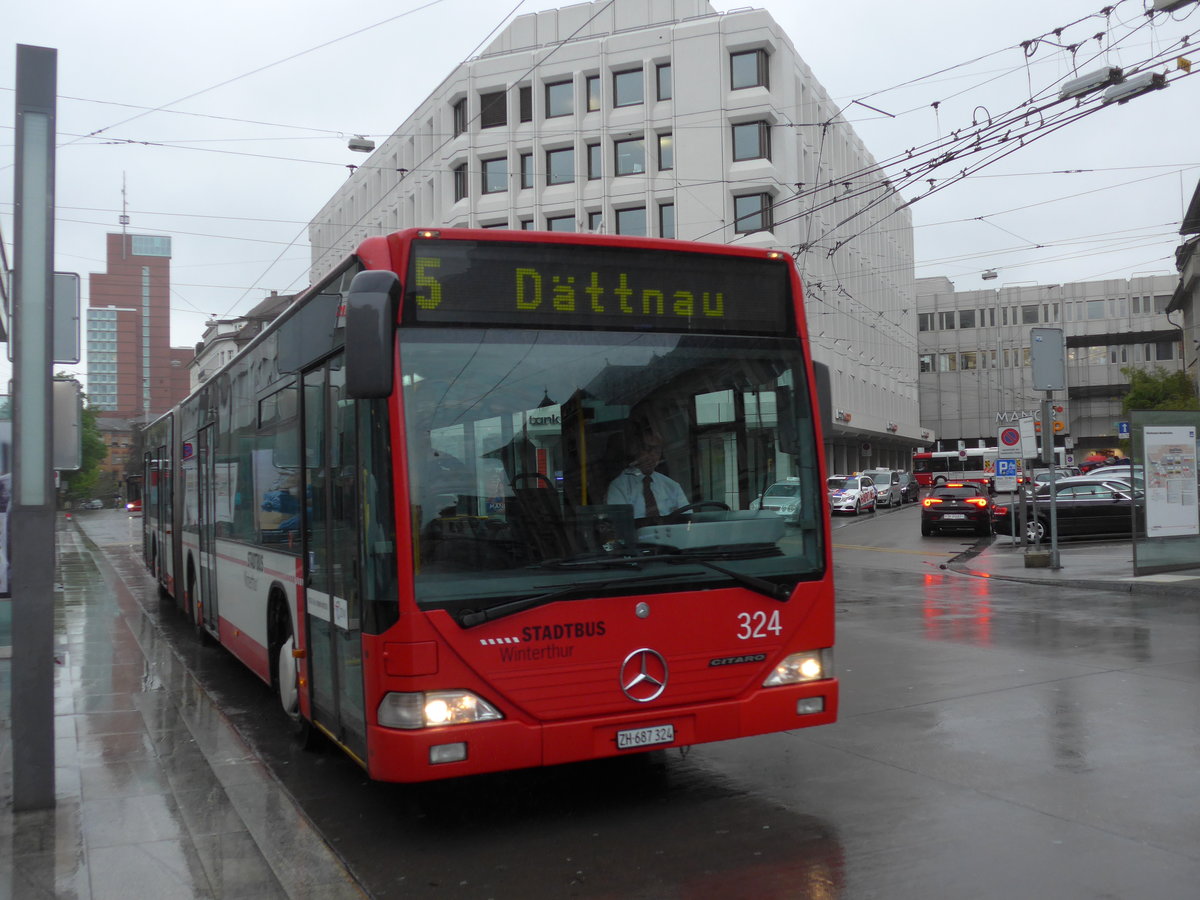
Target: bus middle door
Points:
x,y
207,491
331,556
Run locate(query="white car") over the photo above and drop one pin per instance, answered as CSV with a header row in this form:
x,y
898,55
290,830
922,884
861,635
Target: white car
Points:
x,y
783,498
851,493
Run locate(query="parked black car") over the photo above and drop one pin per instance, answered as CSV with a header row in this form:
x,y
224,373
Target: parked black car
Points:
x,y
1084,505
956,506
910,489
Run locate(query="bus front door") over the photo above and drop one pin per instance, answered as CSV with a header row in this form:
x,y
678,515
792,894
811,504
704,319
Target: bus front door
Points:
x,y
331,557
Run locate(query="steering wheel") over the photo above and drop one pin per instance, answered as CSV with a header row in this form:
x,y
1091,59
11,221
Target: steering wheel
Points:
x,y
538,479
699,505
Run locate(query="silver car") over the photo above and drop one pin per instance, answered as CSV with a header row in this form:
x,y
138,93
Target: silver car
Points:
x,y
783,498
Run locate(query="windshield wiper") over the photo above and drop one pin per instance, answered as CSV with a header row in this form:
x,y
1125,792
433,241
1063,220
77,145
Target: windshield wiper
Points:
x,y
780,592
471,618
591,561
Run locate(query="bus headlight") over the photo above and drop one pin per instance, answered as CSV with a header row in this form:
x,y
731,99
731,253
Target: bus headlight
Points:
x,y
432,709
811,665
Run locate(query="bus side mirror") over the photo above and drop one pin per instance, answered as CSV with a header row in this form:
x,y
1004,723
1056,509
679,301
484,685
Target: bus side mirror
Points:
x,y
371,306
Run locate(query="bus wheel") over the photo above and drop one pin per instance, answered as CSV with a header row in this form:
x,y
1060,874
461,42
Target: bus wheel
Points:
x,y
193,613
286,679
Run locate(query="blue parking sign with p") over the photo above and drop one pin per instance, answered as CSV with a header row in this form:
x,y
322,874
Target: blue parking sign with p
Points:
x,y
1006,468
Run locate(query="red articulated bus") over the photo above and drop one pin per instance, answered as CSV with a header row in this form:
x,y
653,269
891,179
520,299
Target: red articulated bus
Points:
x,y
396,505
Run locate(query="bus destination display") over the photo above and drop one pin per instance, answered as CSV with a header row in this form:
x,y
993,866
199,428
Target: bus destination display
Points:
x,y
588,286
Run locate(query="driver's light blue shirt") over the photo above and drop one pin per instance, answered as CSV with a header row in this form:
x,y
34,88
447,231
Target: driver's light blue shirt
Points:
x,y
627,488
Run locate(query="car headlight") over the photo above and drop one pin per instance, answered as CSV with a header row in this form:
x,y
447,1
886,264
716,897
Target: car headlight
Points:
x,y
789,507
433,709
809,665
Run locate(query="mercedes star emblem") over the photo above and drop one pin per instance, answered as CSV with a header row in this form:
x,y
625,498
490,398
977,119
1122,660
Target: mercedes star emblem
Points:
x,y
644,675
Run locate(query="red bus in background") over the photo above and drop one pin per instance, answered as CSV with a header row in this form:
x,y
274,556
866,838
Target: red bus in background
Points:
x,y
975,464
394,507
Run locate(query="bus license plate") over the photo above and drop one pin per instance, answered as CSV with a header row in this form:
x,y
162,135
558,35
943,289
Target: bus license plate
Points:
x,y
645,737
954,516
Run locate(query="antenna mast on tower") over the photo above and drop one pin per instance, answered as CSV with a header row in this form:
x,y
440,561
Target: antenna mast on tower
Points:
x,y
124,218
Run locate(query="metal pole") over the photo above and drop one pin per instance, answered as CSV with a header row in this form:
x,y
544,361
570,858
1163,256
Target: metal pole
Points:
x,y
31,518
1048,454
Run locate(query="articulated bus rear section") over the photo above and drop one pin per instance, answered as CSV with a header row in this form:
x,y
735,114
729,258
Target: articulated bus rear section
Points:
x,y
486,500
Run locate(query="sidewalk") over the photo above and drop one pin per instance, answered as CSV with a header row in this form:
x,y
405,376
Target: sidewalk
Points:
x,y
1100,566
157,794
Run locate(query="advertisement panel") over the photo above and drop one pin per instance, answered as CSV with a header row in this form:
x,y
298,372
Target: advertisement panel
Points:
x,y
1170,466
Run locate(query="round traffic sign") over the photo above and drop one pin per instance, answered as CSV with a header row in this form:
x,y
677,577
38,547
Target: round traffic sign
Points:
x,y
1010,437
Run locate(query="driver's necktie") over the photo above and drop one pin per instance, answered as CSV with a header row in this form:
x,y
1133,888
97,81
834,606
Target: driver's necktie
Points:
x,y
648,497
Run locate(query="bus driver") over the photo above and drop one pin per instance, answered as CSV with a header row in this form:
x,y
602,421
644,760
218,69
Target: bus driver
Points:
x,y
651,494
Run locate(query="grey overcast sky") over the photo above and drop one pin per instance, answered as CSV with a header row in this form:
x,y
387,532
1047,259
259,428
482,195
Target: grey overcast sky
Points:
x,y
256,99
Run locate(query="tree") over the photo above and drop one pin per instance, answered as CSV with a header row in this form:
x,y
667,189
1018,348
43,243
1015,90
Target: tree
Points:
x,y
82,483
1159,389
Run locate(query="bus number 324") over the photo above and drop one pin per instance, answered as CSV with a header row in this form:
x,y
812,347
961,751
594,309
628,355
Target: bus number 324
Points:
x,y
757,624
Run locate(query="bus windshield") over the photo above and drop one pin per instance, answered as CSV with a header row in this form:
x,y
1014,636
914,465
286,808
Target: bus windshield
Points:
x,y
543,459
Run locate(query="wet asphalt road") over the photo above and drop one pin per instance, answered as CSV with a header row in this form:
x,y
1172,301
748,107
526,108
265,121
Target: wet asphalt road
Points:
x,y
995,740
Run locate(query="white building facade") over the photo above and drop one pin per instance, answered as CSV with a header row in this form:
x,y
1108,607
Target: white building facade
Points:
x,y
975,354
663,118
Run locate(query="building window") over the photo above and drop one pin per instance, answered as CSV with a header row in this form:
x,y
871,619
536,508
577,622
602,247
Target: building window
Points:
x,y
595,221
748,69
924,321
966,318
751,140
946,320
560,166
594,161
1029,314
662,77
560,223
926,362
627,88
593,93
495,175
492,111
1161,302
526,170
666,152
525,103
632,221
1095,309
666,220
630,156
752,212
560,99
1164,350
460,116
527,224
460,182
947,362
968,360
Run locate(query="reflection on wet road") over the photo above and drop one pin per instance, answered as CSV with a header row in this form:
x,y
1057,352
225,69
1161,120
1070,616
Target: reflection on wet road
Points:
x,y
995,740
